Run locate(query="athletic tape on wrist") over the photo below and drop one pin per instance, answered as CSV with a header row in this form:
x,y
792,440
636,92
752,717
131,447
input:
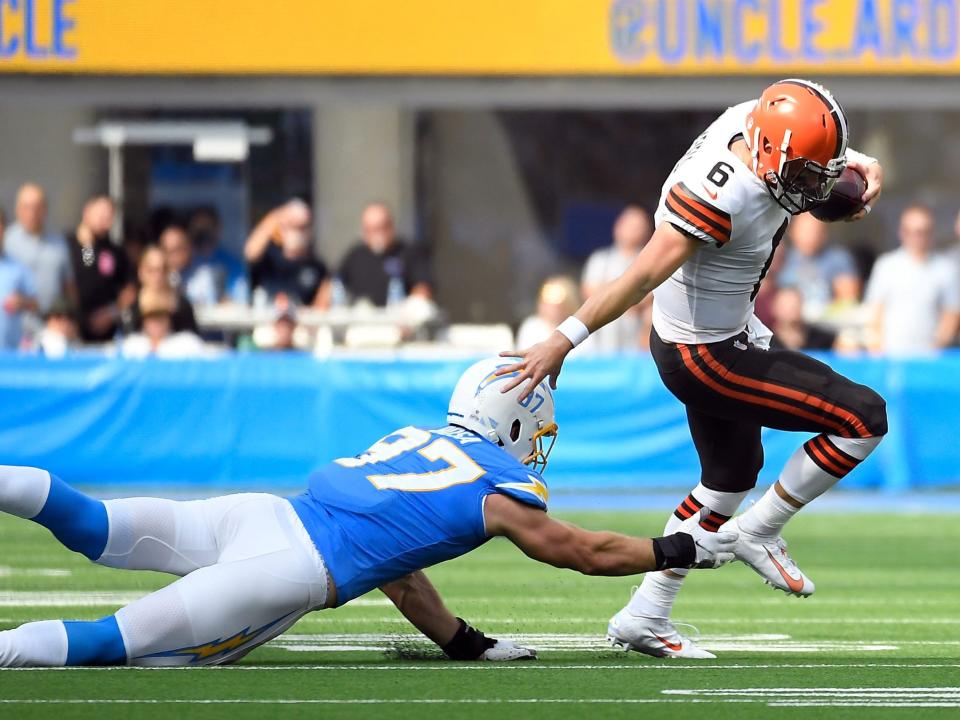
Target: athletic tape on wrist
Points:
x,y
674,551
468,643
573,330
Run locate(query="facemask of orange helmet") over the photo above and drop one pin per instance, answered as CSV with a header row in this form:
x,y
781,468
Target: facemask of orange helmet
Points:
x,y
797,135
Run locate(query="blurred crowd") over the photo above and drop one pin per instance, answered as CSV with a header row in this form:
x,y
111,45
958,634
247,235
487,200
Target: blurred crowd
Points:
x,y
817,295
62,291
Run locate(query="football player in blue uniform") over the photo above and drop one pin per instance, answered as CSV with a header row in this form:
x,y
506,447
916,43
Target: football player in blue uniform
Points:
x,y
251,565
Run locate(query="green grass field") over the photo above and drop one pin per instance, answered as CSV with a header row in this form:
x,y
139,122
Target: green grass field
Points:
x,y
880,639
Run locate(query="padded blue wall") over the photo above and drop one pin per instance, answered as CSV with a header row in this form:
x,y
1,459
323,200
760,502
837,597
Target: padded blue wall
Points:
x,y
265,421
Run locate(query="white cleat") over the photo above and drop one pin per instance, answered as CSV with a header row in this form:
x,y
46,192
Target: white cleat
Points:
x,y
768,557
656,637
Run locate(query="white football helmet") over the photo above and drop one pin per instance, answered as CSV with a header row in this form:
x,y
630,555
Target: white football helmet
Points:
x,y
518,427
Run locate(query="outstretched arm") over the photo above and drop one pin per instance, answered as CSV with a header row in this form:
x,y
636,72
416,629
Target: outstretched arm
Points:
x,y
667,250
564,545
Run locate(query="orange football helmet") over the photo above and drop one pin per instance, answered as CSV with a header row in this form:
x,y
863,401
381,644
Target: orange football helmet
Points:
x,y
797,135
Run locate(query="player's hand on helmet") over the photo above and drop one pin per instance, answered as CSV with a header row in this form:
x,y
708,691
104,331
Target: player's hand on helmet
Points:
x,y
713,548
543,360
471,644
873,174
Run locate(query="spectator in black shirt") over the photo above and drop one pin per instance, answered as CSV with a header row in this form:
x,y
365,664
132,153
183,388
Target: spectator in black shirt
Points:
x,y
154,277
101,271
280,254
382,258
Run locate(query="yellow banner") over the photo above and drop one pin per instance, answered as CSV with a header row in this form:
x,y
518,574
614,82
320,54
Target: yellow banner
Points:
x,y
483,37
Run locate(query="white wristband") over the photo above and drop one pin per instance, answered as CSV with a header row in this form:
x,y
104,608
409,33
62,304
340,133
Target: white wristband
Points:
x,y
573,330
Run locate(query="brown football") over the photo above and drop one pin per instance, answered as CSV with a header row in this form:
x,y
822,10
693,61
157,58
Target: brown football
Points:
x,y
845,198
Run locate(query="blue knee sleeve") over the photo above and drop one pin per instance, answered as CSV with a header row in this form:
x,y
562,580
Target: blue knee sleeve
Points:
x,y
95,643
78,521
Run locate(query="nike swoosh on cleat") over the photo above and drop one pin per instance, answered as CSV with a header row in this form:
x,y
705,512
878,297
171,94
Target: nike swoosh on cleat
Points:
x,y
792,583
676,647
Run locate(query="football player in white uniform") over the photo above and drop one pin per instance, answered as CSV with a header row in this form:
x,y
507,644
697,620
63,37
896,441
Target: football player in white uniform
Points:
x,y
723,211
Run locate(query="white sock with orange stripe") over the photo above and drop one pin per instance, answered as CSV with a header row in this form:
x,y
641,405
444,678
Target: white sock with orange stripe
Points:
x,y
658,591
813,469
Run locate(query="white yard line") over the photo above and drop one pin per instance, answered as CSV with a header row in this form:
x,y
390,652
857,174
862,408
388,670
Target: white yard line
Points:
x,y
356,701
66,598
873,697
81,598
332,643
912,704
7,571
457,667
554,620
804,702
727,621
779,691
595,643
102,598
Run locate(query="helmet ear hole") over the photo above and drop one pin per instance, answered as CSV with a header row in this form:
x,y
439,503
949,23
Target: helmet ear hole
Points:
x,y
515,431
767,147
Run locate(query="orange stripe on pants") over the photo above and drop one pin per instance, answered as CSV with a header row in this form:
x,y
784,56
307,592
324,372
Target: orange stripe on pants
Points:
x,y
753,399
807,399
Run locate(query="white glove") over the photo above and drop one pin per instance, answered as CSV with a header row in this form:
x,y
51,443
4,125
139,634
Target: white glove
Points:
x,y
505,651
713,548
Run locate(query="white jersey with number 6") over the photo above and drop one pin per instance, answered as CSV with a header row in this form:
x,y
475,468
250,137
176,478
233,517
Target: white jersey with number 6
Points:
x,y
713,196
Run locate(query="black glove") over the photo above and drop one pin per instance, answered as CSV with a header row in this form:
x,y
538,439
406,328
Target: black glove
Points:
x,y
467,643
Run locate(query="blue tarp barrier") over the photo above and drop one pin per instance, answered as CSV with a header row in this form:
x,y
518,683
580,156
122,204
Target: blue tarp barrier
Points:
x,y
267,420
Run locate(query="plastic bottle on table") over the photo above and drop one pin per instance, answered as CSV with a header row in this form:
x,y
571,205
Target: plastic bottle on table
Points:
x,y
338,293
396,293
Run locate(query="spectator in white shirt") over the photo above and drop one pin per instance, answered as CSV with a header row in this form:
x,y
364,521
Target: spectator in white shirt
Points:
x,y
45,254
631,232
913,294
17,295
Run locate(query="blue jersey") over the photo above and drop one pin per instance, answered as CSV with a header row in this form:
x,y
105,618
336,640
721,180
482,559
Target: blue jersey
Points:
x,y
414,499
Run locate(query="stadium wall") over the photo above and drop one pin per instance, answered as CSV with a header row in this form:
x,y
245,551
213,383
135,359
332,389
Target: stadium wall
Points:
x,y
257,421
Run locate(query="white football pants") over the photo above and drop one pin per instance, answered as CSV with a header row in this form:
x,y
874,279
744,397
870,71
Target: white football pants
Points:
x,y
249,571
